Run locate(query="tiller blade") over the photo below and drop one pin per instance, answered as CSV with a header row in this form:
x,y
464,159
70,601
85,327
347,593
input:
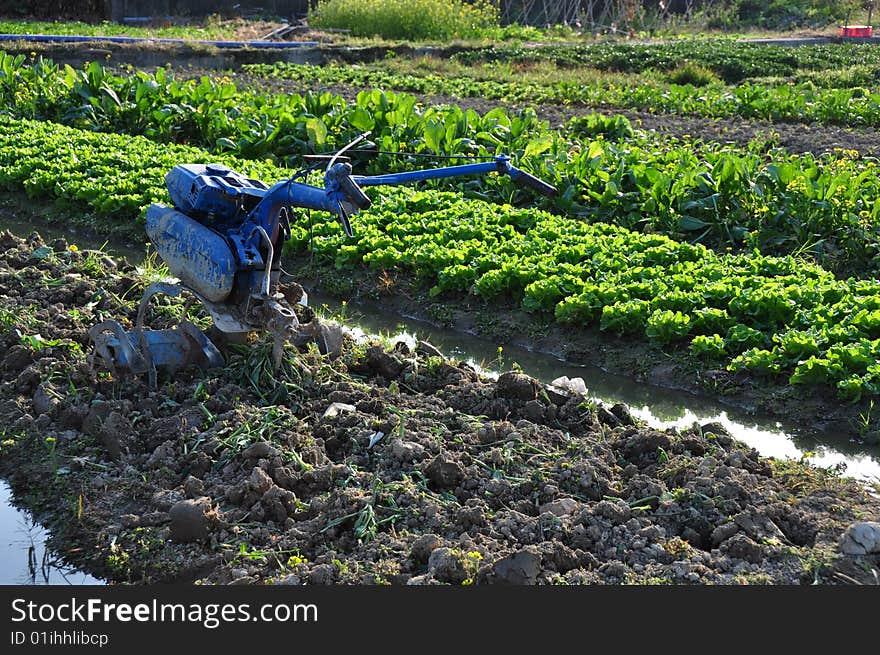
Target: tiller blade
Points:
x,y
145,351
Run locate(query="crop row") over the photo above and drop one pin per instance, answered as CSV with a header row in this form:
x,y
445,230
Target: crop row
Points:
x,y
776,316
719,195
111,175
732,61
210,30
214,114
803,102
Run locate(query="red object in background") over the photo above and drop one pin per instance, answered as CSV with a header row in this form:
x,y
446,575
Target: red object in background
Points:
x,y
863,31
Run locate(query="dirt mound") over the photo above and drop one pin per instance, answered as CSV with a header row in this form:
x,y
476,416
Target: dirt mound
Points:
x,y
387,465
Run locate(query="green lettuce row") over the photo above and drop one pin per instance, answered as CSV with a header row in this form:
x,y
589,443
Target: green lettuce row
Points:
x,y
769,315
111,175
730,59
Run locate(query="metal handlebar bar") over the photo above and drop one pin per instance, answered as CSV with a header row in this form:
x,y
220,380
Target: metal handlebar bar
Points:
x,y
533,182
501,164
345,196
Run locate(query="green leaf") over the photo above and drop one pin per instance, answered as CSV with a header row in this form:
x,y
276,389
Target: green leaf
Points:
x,y
596,150
361,119
434,133
41,253
316,130
111,94
540,145
691,223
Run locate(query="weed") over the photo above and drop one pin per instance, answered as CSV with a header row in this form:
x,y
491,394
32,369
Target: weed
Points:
x,y
152,269
864,424
253,365
271,422
93,264
411,20
38,343
118,561
19,317
200,394
816,564
662,456
367,519
471,562
693,74
9,440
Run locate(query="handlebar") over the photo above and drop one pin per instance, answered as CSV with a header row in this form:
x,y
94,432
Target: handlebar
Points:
x,y
345,196
501,164
350,184
532,182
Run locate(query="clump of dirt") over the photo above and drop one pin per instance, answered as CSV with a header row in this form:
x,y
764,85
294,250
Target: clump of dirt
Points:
x,y
386,465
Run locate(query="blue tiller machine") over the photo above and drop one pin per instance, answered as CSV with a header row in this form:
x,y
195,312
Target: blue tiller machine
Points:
x,y
222,239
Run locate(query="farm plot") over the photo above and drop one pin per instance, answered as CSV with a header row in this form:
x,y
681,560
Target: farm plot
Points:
x,y
803,101
252,476
740,267
771,316
824,206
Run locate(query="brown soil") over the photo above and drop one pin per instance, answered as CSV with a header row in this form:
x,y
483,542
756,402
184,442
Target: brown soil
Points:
x,y
240,475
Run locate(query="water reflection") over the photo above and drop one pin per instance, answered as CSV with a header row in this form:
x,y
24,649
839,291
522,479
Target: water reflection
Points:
x,y
659,407
24,557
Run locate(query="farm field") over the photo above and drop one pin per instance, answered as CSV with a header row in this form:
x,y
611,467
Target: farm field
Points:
x,y
798,89
750,312
737,260
217,29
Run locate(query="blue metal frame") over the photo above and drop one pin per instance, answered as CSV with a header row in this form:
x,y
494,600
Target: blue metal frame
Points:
x,y
431,174
206,243
223,240
335,198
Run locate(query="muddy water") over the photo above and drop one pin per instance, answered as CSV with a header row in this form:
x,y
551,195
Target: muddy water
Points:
x,y
23,556
659,407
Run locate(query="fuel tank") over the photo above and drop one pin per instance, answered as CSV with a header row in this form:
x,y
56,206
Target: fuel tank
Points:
x,y
200,189
193,252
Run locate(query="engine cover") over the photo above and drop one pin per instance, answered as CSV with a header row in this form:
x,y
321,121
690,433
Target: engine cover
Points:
x,y
200,190
193,252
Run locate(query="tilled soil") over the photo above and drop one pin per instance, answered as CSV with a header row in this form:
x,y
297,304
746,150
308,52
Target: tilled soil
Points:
x,y
382,466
